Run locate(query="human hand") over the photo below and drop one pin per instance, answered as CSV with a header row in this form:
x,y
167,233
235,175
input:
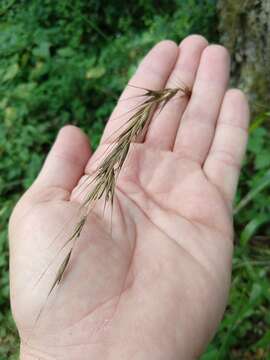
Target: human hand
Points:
x,y
156,286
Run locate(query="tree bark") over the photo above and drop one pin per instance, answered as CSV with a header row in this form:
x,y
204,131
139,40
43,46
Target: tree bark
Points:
x,y
244,27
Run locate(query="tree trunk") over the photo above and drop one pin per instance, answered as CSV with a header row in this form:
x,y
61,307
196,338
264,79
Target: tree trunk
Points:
x,y
245,30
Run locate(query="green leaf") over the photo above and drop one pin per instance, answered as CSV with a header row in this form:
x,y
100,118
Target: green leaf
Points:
x,y
264,183
24,90
252,227
264,341
255,293
262,159
3,103
11,72
211,354
95,72
10,115
42,50
66,52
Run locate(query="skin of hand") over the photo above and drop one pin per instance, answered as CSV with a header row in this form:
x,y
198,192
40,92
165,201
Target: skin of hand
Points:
x,y
155,286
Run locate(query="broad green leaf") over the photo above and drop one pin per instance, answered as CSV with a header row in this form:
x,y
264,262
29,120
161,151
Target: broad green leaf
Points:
x,y
24,90
11,72
66,52
95,72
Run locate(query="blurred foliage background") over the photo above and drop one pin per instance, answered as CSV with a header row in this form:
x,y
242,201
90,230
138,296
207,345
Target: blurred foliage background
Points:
x,y
67,62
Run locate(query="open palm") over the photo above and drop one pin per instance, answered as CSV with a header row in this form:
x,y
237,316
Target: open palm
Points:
x,y
152,281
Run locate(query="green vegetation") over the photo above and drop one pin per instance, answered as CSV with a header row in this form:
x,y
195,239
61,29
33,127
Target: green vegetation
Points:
x,y
244,332
66,62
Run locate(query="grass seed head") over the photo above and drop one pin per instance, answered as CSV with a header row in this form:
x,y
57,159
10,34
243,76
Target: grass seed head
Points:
x,y
107,173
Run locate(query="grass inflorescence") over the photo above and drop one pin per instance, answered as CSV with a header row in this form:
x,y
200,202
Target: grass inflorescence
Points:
x,y
105,179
